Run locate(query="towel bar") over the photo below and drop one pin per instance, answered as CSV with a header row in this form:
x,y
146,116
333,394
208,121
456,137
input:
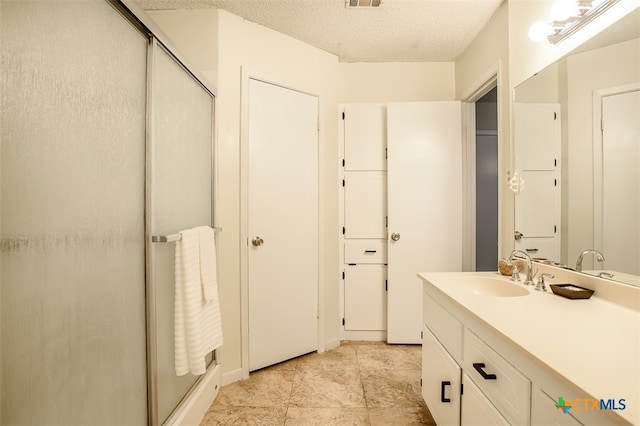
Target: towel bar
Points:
x,y
174,237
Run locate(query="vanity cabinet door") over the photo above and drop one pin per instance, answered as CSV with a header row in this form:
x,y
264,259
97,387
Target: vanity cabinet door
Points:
x,y
477,410
440,381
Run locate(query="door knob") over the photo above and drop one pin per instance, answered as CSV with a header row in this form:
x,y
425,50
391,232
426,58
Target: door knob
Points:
x,y
257,241
395,236
518,235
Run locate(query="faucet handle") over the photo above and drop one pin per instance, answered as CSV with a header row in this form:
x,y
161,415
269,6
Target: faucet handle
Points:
x,y
515,273
540,286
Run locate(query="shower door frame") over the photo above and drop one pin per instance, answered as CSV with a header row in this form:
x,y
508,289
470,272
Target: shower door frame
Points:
x,y
158,40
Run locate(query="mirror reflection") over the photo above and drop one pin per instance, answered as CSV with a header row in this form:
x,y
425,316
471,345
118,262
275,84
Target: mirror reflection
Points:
x,y
577,147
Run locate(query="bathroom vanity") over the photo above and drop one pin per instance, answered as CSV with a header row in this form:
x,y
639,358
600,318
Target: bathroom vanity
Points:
x,y
497,352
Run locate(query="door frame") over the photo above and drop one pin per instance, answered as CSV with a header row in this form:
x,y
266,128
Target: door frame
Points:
x,y
250,74
598,208
491,78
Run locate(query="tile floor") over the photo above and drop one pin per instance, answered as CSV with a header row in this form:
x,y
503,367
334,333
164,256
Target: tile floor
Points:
x,y
358,383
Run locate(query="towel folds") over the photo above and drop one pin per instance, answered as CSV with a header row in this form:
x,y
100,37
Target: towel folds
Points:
x,y
198,322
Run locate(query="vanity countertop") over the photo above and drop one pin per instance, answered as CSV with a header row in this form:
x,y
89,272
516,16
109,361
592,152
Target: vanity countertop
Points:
x,y
594,343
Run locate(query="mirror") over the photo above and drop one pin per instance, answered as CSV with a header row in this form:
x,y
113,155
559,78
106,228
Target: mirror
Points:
x,y
582,183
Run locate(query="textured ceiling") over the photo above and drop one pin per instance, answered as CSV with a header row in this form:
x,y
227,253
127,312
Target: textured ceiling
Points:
x,y
397,31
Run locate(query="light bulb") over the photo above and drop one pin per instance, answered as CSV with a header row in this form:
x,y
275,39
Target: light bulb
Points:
x,y
564,9
539,30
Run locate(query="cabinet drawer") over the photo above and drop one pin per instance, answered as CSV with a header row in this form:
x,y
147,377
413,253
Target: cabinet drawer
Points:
x,y
365,251
476,408
443,325
506,387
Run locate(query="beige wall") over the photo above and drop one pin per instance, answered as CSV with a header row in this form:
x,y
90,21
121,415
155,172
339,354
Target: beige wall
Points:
x,y
194,34
396,82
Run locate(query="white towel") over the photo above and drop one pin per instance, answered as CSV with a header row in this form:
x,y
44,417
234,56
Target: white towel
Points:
x,y
208,263
198,326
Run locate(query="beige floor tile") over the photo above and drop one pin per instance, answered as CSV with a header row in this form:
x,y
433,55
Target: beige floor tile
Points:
x,y
388,388
327,416
338,359
388,357
254,416
317,388
417,415
264,388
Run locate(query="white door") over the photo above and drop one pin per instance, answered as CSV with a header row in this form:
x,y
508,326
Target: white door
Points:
x,y
424,168
621,182
282,224
537,210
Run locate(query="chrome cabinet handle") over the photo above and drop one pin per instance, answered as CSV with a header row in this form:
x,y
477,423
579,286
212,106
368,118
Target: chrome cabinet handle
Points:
x,y
395,236
257,241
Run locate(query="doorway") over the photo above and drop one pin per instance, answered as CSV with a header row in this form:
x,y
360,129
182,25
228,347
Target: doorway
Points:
x,y
486,177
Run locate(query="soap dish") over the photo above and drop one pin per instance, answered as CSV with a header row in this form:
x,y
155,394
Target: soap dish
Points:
x,y
571,291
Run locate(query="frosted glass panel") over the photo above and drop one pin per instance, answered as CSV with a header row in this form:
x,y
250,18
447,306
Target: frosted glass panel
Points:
x,y
181,197
72,187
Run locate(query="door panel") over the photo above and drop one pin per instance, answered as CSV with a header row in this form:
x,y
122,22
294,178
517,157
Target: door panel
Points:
x,y
365,130
365,298
621,182
283,213
440,381
365,204
424,169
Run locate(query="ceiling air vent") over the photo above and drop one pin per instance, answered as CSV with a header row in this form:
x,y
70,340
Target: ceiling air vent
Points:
x,y
363,3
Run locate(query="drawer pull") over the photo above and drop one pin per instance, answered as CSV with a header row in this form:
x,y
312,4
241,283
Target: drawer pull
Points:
x,y
532,250
442,386
369,251
479,368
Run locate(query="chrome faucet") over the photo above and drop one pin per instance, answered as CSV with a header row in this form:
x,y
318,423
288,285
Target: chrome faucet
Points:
x,y
529,280
599,258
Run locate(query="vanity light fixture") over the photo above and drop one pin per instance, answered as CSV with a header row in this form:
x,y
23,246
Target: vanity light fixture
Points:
x,y
567,17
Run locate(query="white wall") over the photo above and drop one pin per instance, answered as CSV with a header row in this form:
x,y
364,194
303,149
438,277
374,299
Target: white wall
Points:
x,y
396,82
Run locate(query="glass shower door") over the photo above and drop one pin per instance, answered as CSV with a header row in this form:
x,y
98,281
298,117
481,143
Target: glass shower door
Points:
x,y
72,174
180,196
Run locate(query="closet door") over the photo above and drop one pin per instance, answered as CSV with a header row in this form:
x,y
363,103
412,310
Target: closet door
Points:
x,y
424,167
73,92
282,224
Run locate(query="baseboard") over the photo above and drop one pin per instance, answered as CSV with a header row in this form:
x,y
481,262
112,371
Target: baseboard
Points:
x,y
232,376
369,336
331,344
195,405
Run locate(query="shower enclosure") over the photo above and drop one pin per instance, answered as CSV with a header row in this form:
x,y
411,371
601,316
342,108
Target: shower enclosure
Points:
x,y
106,139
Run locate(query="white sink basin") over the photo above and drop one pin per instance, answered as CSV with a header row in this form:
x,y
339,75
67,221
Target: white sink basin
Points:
x,y
494,287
